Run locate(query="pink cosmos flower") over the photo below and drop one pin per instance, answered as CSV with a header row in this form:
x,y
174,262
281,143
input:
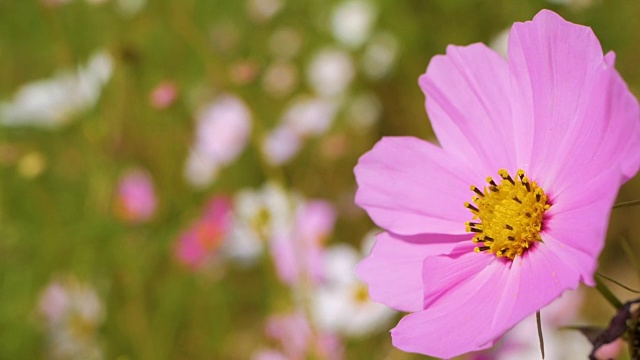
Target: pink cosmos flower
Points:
x,y
163,95
298,254
202,241
136,199
222,132
298,341
559,126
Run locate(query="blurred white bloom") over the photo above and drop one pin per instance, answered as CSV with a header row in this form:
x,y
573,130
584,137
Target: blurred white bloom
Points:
x,y
260,215
380,55
285,43
342,303
352,21
264,10
310,116
130,7
280,79
222,132
72,313
305,117
281,145
200,170
363,110
56,101
499,42
330,72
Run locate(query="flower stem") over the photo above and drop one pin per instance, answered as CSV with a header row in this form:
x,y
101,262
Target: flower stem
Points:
x,y
618,283
540,337
627,204
604,290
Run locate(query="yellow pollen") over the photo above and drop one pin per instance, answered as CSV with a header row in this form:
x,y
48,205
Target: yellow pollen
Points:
x,y
507,217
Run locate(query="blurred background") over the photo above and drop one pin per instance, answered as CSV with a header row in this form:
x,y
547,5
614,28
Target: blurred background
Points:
x,y
176,176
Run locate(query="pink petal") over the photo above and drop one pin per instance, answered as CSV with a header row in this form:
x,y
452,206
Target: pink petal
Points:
x,y
393,270
283,252
607,140
576,117
536,279
579,217
460,320
486,297
466,92
439,276
409,186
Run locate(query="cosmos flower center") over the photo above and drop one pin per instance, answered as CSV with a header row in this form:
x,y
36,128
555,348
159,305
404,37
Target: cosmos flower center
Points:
x,y
507,217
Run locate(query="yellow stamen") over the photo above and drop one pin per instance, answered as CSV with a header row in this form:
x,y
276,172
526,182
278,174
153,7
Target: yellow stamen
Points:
x,y
510,215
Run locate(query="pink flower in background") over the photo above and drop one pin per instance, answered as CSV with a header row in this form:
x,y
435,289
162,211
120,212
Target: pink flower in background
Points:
x,y
163,95
136,199
298,341
198,245
222,132
559,126
298,253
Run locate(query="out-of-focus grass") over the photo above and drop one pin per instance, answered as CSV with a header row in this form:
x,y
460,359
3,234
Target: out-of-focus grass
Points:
x,y
62,221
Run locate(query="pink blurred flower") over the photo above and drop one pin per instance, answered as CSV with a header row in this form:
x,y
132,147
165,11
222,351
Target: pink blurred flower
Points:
x,y
611,350
199,244
298,341
54,302
298,253
136,199
557,110
222,132
163,95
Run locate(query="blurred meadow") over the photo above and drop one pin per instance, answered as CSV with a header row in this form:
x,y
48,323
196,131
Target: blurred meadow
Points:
x,y
176,176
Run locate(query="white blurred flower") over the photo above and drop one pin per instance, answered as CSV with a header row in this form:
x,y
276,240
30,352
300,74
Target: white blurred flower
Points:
x,y
310,116
56,101
285,43
200,170
281,145
342,304
330,72
363,110
222,132
72,313
380,55
130,7
264,10
260,216
304,117
280,79
352,21
499,42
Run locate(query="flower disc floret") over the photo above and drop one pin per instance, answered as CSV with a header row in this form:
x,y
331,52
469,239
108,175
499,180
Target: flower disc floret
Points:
x,y
510,214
